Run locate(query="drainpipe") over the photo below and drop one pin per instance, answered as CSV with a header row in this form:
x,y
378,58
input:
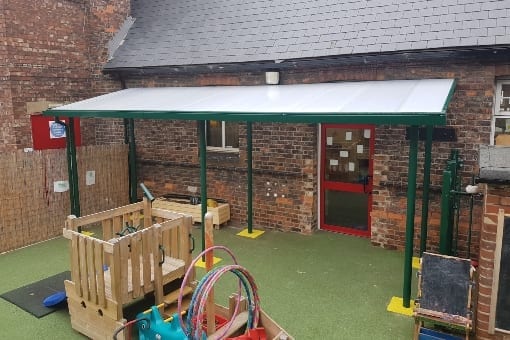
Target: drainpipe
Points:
x,y
411,204
129,138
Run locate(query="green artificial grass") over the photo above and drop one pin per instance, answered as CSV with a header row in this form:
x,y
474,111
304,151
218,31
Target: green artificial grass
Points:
x,y
323,286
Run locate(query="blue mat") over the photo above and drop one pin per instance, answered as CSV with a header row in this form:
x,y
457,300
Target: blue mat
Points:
x,y
30,297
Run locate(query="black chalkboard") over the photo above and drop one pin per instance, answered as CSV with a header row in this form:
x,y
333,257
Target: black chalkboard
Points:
x,y
445,284
503,300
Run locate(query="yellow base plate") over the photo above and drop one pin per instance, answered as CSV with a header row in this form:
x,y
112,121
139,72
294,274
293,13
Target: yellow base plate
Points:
x,y
87,233
396,306
416,262
254,233
201,264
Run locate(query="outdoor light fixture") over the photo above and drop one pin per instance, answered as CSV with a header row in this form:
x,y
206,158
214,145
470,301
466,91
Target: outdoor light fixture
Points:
x,y
272,77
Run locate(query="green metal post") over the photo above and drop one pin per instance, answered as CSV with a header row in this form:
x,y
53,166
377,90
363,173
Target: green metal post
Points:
x,y
411,204
249,159
74,169
70,169
445,232
203,177
132,162
426,188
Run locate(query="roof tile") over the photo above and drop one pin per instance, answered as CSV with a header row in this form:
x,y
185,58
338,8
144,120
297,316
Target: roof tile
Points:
x,y
242,31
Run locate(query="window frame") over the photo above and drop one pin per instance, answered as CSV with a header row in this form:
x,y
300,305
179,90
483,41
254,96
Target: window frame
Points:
x,y
221,148
497,113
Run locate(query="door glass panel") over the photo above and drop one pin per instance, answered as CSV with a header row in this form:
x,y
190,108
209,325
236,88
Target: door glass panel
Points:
x,y
346,209
347,155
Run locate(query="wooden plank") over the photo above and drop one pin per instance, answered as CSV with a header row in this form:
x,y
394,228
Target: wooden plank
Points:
x,y
107,227
82,245
99,262
117,225
124,257
147,213
174,242
75,264
115,271
186,255
98,217
135,264
69,223
146,259
163,213
135,217
91,270
158,273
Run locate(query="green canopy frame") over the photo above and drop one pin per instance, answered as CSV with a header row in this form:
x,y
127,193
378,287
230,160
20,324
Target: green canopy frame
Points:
x,y
99,107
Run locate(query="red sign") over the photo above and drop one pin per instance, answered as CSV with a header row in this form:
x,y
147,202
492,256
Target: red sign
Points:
x,y
48,134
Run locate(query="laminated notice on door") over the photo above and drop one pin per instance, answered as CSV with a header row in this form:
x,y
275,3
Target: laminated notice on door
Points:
x,y
366,133
60,186
329,140
359,148
344,154
351,166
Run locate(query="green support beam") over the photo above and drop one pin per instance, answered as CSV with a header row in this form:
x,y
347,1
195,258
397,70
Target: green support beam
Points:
x,y
72,167
426,189
411,205
249,160
445,232
203,176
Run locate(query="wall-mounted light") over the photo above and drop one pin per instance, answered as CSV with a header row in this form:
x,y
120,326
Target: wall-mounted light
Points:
x,y
272,77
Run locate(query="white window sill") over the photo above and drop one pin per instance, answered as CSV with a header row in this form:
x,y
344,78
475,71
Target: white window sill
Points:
x,y
222,150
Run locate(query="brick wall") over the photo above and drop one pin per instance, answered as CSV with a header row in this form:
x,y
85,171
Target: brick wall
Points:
x,y
284,161
6,115
53,50
496,198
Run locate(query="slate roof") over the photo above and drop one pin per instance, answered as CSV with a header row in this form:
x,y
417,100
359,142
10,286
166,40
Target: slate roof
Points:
x,y
198,32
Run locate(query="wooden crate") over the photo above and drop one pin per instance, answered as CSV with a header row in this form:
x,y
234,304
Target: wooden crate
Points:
x,y
221,213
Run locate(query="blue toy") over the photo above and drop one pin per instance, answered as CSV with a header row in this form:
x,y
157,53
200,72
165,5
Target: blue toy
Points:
x,y
54,299
152,326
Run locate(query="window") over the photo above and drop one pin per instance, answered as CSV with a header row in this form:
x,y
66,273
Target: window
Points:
x,y
501,120
222,136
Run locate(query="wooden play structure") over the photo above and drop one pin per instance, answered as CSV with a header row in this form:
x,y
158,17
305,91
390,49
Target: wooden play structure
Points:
x,y
445,288
243,319
220,211
139,250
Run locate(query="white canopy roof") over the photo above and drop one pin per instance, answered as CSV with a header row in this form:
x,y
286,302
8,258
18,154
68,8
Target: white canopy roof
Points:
x,y
400,101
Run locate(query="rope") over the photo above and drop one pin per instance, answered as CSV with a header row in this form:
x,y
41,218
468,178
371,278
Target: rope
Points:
x,y
194,320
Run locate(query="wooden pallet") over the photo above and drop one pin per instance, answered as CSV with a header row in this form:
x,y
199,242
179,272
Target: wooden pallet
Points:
x,y
221,213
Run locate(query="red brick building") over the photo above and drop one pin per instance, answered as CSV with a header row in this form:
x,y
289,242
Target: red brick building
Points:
x,y
188,44
49,55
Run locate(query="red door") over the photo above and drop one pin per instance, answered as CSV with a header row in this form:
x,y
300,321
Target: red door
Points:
x,y
346,178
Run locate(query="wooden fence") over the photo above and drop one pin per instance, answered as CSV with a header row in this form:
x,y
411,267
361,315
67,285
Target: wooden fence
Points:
x,y
31,210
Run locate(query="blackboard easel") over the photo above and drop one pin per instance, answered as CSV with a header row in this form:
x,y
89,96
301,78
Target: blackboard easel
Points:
x,y
444,293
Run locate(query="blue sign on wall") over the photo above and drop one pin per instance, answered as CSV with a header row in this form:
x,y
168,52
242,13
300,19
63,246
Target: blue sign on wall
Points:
x,y
57,130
